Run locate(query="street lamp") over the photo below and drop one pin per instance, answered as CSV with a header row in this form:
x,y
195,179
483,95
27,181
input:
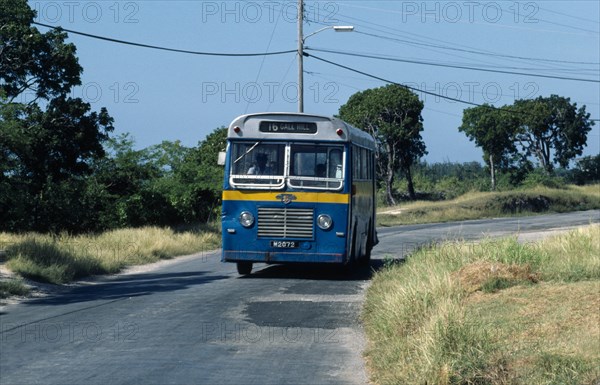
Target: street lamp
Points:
x,y
336,28
301,40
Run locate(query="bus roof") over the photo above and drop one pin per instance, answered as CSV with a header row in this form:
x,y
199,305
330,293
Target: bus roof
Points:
x,y
249,127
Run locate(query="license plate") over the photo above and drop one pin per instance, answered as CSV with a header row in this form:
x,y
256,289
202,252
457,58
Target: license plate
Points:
x,y
284,244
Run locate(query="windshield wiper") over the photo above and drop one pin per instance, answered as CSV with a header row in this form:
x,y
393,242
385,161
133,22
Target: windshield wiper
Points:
x,y
247,152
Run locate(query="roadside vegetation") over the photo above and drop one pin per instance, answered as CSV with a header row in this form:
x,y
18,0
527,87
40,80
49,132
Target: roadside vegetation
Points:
x,y
476,205
10,287
493,312
63,258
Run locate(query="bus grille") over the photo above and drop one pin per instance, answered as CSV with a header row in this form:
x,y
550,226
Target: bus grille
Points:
x,y
285,222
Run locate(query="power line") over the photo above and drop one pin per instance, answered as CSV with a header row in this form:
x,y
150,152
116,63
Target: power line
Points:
x,y
165,48
390,81
567,15
451,66
316,74
417,89
418,42
587,71
555,23
475,51
446,43
517,14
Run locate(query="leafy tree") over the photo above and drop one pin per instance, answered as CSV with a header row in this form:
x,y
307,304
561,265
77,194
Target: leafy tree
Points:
x,y
200,179
135,185
392,114
587,170
48,143
494,131
42,64
552,129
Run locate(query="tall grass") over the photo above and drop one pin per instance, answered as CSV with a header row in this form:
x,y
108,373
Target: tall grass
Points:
x,y
10,287
63,258
424,321
477,205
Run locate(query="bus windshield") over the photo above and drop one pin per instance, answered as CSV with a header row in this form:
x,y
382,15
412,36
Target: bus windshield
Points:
x,y
316,166
300,165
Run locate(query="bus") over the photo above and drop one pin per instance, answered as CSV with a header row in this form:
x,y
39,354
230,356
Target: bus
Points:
x,y
298,188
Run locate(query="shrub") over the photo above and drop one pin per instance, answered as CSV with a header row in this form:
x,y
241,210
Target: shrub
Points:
x,y
539,177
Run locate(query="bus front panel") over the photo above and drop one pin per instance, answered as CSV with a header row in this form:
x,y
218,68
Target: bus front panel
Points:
x,y
285,227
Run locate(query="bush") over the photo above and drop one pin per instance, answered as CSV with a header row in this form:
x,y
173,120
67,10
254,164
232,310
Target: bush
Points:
x,y
587,170
539,177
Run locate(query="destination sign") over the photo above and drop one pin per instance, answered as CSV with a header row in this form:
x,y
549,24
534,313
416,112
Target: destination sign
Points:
x,y
288,127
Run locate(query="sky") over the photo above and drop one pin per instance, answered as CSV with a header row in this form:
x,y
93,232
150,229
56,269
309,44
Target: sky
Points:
x,y
458,49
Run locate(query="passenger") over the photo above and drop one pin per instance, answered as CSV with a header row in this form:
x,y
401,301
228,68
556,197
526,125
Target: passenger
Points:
x,y
320,170
272,167
260,167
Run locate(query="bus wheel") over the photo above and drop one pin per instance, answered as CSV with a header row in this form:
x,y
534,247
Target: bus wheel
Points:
x,y
351,262
365,260
244,268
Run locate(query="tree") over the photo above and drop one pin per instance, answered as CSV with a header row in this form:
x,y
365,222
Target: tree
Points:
x,y
200,178
587,170
48,143
45,156
552,129
493,130
32,62
392,114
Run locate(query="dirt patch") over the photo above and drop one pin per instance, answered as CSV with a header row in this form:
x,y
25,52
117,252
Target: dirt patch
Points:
x,y
473,277
391,212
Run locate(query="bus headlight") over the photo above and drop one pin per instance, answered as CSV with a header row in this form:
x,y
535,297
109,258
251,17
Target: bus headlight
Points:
x,y
246,218
324,221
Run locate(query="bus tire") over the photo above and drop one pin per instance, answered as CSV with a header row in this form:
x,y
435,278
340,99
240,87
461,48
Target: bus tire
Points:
x,y
350,264
353,256
244,268
365,260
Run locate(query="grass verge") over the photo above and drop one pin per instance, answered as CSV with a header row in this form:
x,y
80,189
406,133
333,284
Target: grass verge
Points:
x,y
494,204
12,287
63,258
495,312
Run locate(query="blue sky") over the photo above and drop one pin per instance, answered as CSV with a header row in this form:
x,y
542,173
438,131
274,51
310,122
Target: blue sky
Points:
x,y
158,95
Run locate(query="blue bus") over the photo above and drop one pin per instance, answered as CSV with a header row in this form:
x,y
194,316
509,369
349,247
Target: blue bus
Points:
x,y
297,188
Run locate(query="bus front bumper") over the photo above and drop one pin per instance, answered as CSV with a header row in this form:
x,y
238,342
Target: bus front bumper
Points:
x,y
280,257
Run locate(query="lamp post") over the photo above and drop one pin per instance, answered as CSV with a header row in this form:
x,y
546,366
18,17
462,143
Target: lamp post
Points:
x,y
301,40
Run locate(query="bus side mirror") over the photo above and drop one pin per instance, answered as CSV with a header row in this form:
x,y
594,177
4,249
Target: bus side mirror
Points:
x,y
221,158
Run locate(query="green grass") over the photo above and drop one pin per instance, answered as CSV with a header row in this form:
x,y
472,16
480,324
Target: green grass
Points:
x,y
63,258
493,204
12,287
495,312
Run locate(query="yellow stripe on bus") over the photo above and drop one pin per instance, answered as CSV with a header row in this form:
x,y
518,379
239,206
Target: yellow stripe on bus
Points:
x,y
312,197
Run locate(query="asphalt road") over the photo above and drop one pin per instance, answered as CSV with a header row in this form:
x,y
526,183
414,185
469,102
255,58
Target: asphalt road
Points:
x,y
195,321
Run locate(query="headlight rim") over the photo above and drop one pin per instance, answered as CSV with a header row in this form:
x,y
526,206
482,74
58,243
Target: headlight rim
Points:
x,y
246,219
328,219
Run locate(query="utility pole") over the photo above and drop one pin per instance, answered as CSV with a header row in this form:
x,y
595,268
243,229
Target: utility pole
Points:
x,y
300,56
301,39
